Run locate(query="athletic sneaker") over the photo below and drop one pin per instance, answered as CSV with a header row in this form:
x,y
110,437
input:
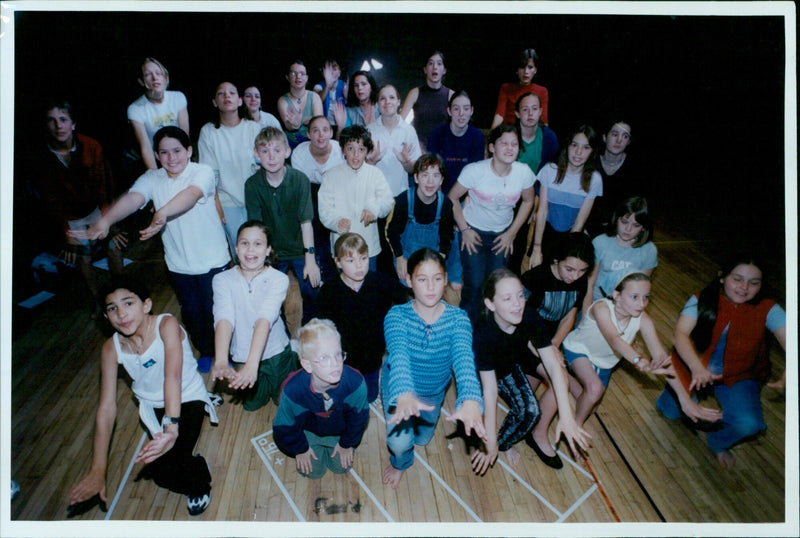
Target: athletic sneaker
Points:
x,y
198,505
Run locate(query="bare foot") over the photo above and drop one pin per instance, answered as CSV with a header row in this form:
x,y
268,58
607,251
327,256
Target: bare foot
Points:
x,y
392,476
726,459
513,456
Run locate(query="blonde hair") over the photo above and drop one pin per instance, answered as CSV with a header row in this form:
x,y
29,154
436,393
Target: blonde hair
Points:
x,y
271,134
311,333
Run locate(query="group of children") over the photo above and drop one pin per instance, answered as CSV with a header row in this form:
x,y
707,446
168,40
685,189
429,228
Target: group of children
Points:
x,y
460,221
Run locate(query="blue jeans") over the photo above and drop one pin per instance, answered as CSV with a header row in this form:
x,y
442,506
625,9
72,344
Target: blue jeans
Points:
x,y
476,267
307,291
741,413
454,271
196,296
401,438
234,217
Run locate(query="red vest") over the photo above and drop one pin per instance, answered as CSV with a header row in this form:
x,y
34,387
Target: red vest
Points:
x,y
745,350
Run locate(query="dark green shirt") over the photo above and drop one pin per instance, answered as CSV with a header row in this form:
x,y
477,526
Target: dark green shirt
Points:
x,y
282,209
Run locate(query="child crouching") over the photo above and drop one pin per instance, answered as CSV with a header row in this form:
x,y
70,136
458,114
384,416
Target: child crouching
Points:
x,y
323,409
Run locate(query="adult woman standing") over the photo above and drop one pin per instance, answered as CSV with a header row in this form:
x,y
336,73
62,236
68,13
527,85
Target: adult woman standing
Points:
x,y
155,109
720,343
298,105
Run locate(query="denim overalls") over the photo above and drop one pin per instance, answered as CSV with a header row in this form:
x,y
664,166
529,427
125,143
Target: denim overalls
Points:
x,y
416,235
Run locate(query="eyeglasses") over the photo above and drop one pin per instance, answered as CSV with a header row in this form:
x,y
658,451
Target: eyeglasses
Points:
x,y
327,360
297,74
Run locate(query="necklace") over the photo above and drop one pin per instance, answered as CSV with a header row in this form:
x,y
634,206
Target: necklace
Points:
x,y
138,349
250,280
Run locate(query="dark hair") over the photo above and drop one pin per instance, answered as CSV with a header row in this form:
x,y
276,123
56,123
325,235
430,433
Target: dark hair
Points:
x,y
131,284
590,165
356,133
296,62
499,131
459,93
60,104
253,223
631,277
525,55
424,255
517,124
708,301
523,96
426,160
438,53
619,119
636,206
489,286
171,131
317,118
392,86
245,112
575,245
241,113
352,100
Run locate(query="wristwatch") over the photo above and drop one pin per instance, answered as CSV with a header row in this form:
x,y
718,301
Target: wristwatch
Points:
x,y
310,250
167,420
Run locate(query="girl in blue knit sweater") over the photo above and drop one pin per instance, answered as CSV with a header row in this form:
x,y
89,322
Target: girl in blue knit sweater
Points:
x,y
426,339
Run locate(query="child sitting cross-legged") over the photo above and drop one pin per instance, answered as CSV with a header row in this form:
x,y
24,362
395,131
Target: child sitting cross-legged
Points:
x,y
323,409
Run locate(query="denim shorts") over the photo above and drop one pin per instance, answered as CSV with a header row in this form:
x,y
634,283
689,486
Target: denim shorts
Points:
x,y
603,373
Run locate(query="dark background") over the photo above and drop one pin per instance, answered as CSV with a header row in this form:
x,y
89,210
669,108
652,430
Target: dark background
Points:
x,y
704,95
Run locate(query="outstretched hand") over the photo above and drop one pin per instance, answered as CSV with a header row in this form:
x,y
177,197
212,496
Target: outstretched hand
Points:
x,y
470,415
408,406
576,437
702,377
159,445
696,412
156,224
91,485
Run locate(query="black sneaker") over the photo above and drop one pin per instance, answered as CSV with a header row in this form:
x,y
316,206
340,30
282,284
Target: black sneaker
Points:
x,y
198,505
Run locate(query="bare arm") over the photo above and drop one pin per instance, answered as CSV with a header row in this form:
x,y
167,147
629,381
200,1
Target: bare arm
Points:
x,y
180,203
497,120
311,270
583,214
481,461
127,204
689,355
538,231
183,120
161,443
95,481
602,314
505,241
145,147
589,298
247,376
408,104
576,436
564,327
470,239
223,334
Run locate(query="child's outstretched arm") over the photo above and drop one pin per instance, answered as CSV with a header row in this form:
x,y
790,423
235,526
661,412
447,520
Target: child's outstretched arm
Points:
x,y
688,354
161,443
408,406
127,204
481,461
576,436
94,482
247,376
602,314
538,227
660,359
180,203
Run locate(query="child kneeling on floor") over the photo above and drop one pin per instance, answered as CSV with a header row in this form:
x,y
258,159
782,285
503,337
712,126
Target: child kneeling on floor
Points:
x,y
156,353
323,408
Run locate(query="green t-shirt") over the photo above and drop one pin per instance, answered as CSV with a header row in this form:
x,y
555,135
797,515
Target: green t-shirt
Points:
x,y
282,209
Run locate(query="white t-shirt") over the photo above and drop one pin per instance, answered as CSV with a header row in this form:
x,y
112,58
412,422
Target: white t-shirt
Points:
x,y
243,303
265,119
303,160
194,242
230,152
390,165
492,198
154,116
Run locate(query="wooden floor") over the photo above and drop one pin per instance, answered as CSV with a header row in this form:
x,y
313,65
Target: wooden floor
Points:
x,y
649,469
